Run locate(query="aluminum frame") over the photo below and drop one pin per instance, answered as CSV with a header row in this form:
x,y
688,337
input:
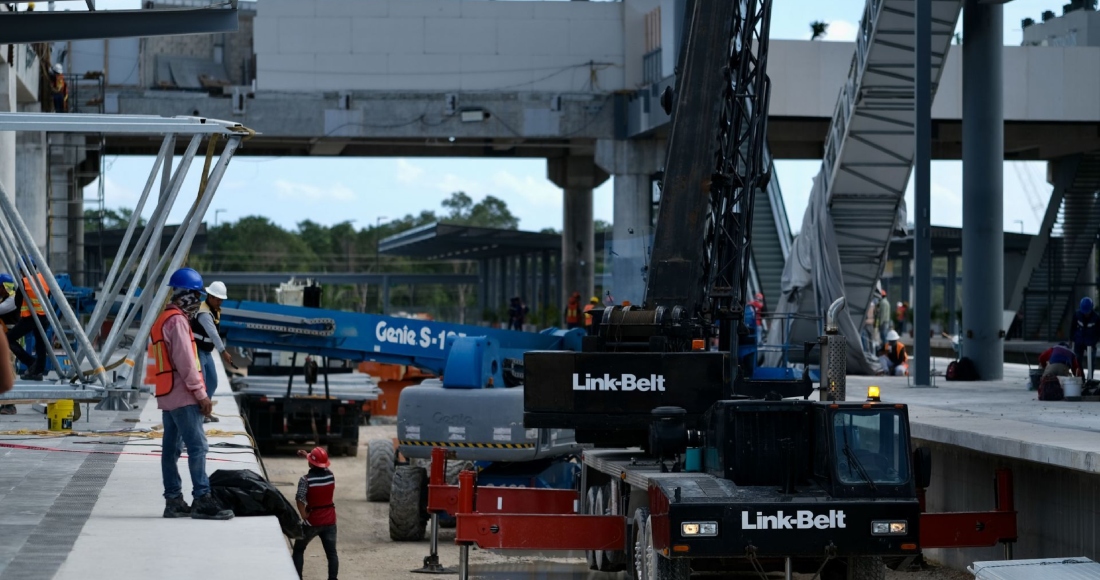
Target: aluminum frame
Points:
x,y
131,266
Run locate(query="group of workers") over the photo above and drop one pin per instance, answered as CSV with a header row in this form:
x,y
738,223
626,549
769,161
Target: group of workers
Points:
x,y
23,313
576,315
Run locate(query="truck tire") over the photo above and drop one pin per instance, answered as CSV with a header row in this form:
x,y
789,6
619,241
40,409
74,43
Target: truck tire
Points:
x,y
855,568
658,567
607,560
408,512
352,449
379,469
590,509
636,550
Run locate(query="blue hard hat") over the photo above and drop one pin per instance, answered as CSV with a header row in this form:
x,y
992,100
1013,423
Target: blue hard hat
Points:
x,y
6,278
28,261
1086,305
186,279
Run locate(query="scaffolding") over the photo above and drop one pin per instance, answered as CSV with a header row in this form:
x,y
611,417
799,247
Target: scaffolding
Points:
x,y
102,368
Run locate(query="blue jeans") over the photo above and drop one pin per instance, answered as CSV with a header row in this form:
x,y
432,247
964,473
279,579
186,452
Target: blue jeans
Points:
x,y
209,372
184,426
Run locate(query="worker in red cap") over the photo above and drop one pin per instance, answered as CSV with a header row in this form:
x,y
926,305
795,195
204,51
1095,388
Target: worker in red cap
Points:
x,y
316,490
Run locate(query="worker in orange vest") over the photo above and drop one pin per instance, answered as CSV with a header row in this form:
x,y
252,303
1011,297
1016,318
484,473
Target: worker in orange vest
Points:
x,y
592,303
33,308
573,311
181,397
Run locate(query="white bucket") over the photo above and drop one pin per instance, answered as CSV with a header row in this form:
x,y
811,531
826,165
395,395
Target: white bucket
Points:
x,y
1071,386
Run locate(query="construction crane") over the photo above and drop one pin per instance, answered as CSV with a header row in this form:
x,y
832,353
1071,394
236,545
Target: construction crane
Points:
x,y
694,465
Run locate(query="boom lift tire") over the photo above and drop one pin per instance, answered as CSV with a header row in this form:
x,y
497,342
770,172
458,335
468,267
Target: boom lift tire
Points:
x,y
379,469
638,562
408,504
607,560
855,568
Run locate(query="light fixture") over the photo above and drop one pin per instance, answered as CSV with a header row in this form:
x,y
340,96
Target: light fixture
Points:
x,y
889,528
473,115
873,394
699,529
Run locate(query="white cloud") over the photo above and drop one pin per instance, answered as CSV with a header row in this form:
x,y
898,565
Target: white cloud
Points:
x,y
407,172
540,193
285,189
842,30
450,183
115,194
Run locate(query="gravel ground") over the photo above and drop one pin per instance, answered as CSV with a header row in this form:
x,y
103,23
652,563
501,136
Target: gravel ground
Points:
x,y
366,550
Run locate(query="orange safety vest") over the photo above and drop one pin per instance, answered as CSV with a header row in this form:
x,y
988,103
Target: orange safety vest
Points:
x,y
571,313
587,316
32,300
164,368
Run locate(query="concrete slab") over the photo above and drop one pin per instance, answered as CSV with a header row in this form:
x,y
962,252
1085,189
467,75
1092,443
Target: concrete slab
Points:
x,y
1001,418
64,515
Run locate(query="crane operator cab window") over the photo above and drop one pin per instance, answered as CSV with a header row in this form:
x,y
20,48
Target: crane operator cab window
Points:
x,y
870,447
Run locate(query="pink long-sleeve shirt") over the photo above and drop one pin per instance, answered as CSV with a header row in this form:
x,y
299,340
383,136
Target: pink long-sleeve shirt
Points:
x,y
188,387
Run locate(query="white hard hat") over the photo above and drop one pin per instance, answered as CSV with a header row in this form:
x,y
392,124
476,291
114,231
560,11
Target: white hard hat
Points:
x,y
217,290
890,336
57,68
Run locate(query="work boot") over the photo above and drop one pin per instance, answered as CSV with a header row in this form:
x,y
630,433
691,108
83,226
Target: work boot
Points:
x,y
210,419
176,508
7,409
32,376
205,508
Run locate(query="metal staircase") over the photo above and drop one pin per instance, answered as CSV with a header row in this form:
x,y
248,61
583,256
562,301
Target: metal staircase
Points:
x,y
1065,244
870,147
771,237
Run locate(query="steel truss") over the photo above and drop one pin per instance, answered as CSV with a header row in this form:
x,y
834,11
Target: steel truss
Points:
x,y
102,368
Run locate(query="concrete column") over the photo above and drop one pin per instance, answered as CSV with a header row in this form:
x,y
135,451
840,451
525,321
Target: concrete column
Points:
x,y
30,184
578,176
922,233
983,206
482,287
544,298
906,280
949,293
633,164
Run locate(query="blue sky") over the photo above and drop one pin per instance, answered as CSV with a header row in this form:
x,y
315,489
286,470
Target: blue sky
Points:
x,y
332,190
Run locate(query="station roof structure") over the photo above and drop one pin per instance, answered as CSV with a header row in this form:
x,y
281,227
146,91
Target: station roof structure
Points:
x,y
443,241
947,241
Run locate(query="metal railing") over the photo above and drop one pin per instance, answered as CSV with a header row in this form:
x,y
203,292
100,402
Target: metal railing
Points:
x,y
651,67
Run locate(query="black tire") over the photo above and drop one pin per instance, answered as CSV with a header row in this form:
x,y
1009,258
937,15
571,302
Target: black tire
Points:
x,y
352,449
590,509
455,467
636,552
607,560
659,567
855,568
379,469
408,512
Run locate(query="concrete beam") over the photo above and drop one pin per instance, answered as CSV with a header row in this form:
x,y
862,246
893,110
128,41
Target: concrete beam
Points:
x,y
28,27
389,123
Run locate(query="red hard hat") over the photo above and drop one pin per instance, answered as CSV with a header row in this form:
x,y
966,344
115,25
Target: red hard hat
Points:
x,y
318,458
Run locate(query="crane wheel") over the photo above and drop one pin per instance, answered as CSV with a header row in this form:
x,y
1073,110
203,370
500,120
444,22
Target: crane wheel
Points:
x,y
408,504
379,469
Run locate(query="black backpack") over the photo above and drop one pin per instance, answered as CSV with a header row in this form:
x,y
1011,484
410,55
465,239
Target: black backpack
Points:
x,y
962,370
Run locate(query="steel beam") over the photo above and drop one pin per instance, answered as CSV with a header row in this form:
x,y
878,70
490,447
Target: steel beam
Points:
x,y
28,27
116,124
922,236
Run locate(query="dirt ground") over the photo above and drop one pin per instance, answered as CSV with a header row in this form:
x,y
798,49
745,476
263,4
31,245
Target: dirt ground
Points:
x,y
366,550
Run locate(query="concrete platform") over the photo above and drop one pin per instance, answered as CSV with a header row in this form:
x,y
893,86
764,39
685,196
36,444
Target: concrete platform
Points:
x,y
1000,418
90,507
975,428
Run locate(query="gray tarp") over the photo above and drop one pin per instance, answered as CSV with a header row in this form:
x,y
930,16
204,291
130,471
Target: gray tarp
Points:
x,y
811,281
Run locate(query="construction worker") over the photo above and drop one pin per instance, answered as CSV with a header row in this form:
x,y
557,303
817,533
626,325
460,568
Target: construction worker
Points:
x,y
60,89
1059,361
517,313
316,490
1086,331
894,359
573,311
181,397
206,328
32,308
593,302
882,317
9,314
